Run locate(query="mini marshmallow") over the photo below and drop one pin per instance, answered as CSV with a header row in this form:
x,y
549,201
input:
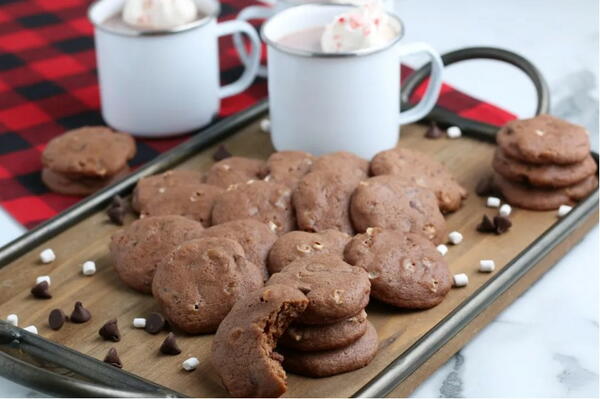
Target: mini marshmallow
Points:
x,y
265,125
139,322
455,237
190,364
454,132
460,280
88,268
505,210
31,329
39,279
487,265
493,202
13,319
47,256
442,249
563,210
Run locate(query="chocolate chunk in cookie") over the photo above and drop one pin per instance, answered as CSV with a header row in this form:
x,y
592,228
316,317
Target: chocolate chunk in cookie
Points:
x,y
335,289
342,161
287,167
153,186
234,170
388,202
301,244
92,151
255,237
80,186
405,269
544,139
199,281
242,349
308,338
543,175
267,202
322,200
540,199
137,249
336,361
423,171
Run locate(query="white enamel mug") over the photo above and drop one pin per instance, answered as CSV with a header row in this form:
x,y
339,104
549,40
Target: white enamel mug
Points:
x,y
164,83
271,8
324,102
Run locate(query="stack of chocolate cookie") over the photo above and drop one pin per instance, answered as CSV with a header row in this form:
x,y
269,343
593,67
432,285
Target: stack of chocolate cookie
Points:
x,y
84,160
332,335
543,163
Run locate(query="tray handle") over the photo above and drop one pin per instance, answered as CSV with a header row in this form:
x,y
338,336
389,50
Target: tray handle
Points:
x,y
475,128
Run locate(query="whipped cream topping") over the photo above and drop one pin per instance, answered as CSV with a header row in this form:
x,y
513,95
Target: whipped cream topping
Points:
x,y
159,14
362,27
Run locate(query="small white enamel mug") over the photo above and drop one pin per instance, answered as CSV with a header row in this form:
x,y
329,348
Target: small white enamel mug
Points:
x,y
266,12
324,102
164,83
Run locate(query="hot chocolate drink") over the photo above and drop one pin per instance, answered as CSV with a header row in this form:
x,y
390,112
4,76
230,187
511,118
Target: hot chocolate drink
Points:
x,y
305,39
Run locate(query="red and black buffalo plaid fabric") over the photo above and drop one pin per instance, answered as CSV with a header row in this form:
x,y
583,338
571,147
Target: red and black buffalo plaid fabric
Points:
x,y
48,84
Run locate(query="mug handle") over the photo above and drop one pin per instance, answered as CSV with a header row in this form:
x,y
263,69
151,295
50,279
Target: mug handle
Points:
x,y
435,82
248,13
249,74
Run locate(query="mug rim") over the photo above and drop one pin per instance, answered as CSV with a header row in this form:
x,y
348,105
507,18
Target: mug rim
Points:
x,y
322,54
154,32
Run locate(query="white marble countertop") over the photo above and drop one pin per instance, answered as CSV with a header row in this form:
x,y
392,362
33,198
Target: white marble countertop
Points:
x,y
546,343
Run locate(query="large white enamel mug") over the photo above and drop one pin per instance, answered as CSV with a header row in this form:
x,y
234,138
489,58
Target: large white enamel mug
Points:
x,y
164,83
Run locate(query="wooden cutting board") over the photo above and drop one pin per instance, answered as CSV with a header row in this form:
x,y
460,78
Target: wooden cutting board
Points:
x,y
106,297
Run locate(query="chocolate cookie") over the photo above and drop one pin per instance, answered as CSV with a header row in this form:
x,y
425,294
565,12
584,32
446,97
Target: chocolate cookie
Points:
x,y
335,289
322,200
255,237
405,269
93,151
423,171
242,349
193,201
337,361
325,337
544,139
543,175
388,202
342,161
269,203
137,249
300,244
64,184
234,170
287,167
150,187
198,282
540,199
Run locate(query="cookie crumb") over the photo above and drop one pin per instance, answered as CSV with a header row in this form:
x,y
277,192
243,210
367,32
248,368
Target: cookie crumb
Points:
x,y
505,210
563,210
454,132
88,268
32,329
190,364
12,319
460,280
455,238
47,256
493,202
487,265
139,322
265,125
442,249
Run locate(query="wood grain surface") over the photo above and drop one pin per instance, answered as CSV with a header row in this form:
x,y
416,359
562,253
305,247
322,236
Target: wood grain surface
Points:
x,y
106,297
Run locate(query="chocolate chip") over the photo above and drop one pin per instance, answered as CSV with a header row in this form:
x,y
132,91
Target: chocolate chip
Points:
x,y
80,314
117,210
112,358
221,153
486,225
485,187
110,331
155,322
169,346
502,224
40,290
56,319
434,132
